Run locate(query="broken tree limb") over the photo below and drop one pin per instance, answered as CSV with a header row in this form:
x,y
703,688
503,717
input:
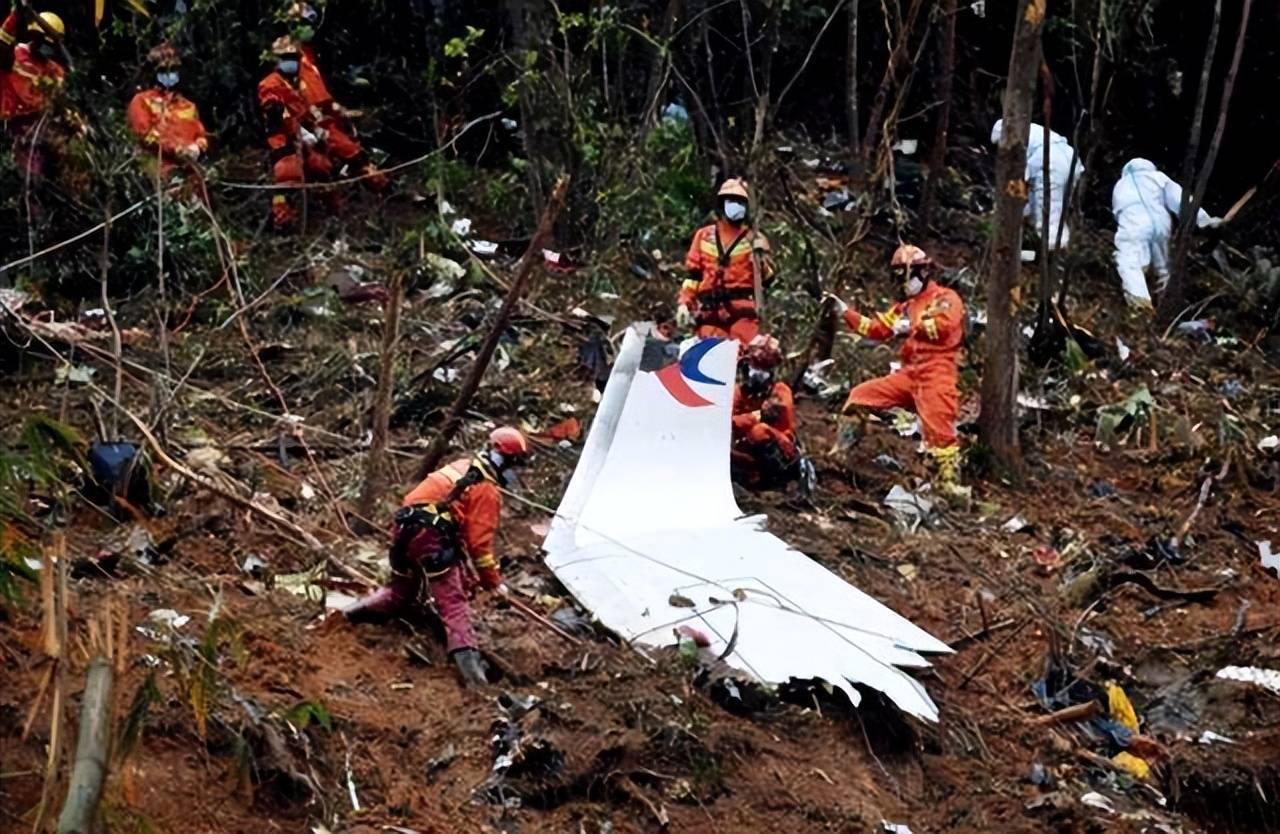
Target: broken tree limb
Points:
x,y
531,258
375,462
92,747
1069,715
306,539
541,620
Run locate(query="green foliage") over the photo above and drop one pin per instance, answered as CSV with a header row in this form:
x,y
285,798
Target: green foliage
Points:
x,y
303,713
459,47
136,718
198,667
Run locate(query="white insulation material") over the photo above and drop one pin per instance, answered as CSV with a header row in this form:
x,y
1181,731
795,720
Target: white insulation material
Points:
x,y
649,519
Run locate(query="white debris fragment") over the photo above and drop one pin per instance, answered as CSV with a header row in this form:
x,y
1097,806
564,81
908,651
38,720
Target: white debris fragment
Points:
x,y
484,248
1015,525
1269,443
1268,679
907,504
652,482
1270,559
168,617
461,227
1209,737
1122,350
1096,800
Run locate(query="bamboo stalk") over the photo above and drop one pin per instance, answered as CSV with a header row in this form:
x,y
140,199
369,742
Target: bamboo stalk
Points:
x,y
92,750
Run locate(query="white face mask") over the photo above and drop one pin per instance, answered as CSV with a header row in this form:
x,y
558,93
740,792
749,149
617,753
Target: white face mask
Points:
x,y
168,78
913,286
734,210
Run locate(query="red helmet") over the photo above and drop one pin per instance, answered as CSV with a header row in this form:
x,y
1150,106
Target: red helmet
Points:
x,y
763,352
908,255
508,442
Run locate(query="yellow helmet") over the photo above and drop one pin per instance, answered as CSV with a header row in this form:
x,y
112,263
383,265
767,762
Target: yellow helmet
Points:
x,y
734,187
52,28
285,45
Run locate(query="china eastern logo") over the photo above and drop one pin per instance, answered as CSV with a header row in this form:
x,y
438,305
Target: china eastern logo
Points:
x,y
676,376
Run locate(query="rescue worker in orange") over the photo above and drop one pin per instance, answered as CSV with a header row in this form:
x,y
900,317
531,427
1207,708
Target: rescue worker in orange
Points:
x,y
343,146
932,321
449,518
30,75
166,123
764,452
718,297
294,136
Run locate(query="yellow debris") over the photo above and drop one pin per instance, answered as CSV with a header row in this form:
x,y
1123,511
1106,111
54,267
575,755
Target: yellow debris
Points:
x,y
1132,764
1120,708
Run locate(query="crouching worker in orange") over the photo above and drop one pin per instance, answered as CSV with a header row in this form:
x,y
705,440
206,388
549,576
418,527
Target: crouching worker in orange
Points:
x,y
765,452
449,518
30,75
344,148
932,320
166,123
719,294
294,137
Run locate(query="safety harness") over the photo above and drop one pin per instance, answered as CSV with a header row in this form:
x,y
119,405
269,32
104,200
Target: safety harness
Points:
x,y
719,295
436,517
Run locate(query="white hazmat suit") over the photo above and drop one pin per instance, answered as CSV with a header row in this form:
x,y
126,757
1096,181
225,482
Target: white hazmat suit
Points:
x,y
1060,156
1144,202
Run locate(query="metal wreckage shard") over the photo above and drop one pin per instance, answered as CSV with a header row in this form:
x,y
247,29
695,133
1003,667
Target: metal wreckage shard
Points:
x,y
649,518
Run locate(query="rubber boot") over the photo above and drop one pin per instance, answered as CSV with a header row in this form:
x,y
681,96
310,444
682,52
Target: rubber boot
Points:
x,y
470,667
947,459
849,429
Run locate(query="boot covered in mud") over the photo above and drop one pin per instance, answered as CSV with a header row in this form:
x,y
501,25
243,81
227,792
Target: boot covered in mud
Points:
x,y
848,431
471,667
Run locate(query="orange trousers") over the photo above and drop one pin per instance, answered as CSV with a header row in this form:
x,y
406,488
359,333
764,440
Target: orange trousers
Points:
x,y
344,147
736,320
929,390
761,455
289,169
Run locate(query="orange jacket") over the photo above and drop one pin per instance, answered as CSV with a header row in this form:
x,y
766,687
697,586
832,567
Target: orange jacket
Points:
x,y
477,510
311,82
719,261
775,408
937,325
285,110
25,78
167,120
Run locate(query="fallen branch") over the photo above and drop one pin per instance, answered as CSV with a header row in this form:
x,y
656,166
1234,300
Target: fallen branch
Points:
x,y
1069,715
524,609
275,518
1205,488
532,257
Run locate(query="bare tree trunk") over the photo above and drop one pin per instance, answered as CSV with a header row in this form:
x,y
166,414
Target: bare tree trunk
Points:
x,y
765,86
1171,300
93,747
375,461
1046,192
543,95
851,80
946,83
532,257
658,66
998,422
874,126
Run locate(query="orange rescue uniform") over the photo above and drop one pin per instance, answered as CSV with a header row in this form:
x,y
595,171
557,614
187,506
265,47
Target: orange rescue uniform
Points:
x,y
26,79
341,142
770,416
926,383
286,113
168,123
476,511
720,289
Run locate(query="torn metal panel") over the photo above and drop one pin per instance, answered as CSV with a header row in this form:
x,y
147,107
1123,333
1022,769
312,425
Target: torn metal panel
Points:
x,y
650,513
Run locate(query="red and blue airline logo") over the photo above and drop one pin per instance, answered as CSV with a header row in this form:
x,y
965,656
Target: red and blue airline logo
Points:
x,y
676,376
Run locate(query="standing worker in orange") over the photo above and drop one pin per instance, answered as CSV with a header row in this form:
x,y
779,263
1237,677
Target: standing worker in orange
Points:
x,y
719,296
332,117
29,75
449,517
932,320
765,454
165,122
294,136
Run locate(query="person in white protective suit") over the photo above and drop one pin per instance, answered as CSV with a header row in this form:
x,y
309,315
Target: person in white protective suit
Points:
x,y
1060,155
1144,201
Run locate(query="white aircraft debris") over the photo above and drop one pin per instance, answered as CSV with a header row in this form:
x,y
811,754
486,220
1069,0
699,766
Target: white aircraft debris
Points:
x,y
649,516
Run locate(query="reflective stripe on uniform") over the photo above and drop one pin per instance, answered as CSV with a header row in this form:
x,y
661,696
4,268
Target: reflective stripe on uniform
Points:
x,y
930,327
